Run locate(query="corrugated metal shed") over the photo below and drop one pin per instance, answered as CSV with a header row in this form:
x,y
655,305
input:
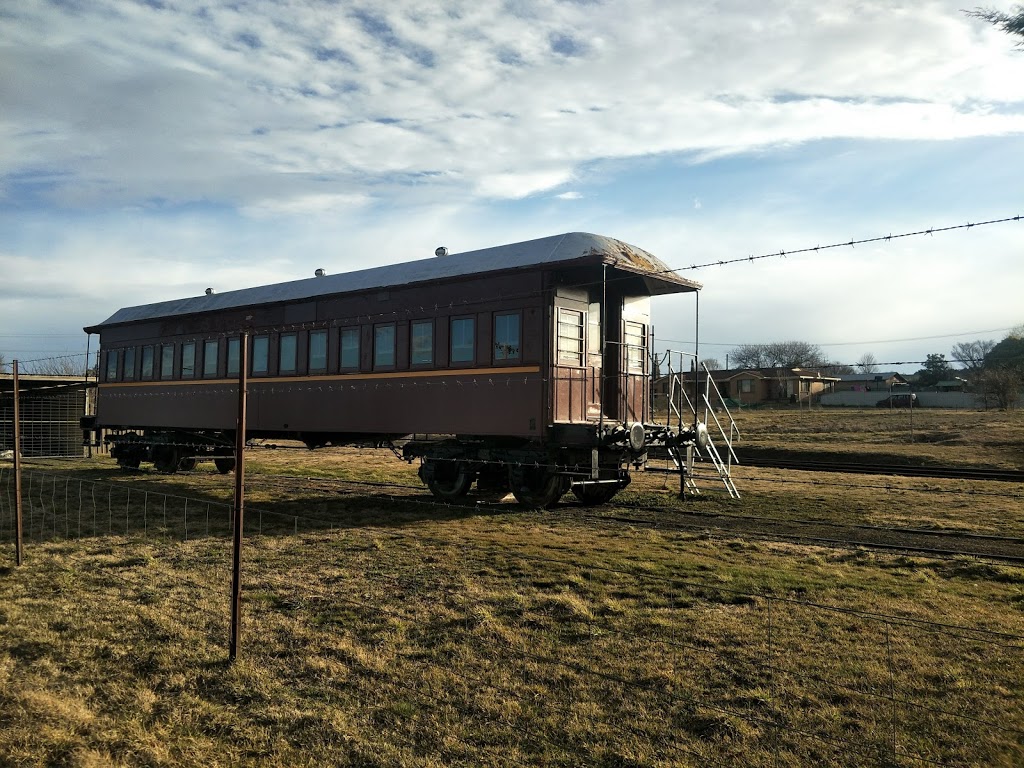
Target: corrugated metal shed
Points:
x,y
569,247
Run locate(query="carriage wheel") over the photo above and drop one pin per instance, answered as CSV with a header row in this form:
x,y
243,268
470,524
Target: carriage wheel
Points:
x,y
447,480
128,462
165,459
593,495
536,487
224,465
187,465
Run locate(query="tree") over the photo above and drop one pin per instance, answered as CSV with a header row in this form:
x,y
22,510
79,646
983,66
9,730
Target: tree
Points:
x,y
935,370
971,354
3,364
1008,353
779,354
867,363
1003,375
712,363
749,356
68,365
1011,23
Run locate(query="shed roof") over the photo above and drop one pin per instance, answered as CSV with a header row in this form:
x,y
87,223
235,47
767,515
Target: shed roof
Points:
x,y
557,249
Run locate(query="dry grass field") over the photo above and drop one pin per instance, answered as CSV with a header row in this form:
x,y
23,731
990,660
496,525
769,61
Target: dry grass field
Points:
x,y
382,629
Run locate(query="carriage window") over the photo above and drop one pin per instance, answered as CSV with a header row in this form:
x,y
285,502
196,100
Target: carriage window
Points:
x,y
422,342
463,339
506,336
112,365
349,348
147,362
210,351
260,354
636,347
167,361
570,336
234,355
318,351
384,346
188,360
129,363
288,353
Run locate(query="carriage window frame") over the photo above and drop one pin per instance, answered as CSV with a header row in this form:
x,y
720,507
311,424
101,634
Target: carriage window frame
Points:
x,y
458,347
288,354
211,356
147,363
385,346
636,351
421,343
234,356
260,355
167,361
188,360
317,357
506,349
571,334
129,364
112,364
348,356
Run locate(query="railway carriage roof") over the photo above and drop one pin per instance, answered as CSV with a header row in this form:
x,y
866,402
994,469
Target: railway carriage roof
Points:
x,y
579,247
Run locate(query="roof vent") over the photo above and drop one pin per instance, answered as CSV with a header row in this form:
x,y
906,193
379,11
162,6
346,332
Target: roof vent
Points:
x,y
441,251
319,272
209,291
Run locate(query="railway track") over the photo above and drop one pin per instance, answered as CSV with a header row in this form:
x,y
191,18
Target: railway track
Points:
x,y
901,470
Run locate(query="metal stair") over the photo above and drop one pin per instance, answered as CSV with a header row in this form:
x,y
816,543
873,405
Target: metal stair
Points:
x,y
695,438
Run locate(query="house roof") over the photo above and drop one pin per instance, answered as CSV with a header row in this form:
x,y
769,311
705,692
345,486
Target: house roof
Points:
x,y
869,377
768,373
580,247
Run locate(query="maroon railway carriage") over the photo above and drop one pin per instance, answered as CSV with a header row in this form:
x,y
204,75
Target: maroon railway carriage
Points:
x,y
531,359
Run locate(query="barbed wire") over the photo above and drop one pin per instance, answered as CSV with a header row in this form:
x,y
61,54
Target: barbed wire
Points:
x,y
424,310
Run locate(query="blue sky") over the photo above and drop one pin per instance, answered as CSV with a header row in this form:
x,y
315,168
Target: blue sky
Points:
x,y
149,150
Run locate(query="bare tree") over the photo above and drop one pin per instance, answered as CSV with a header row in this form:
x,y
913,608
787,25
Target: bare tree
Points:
x,y
779,354
867,363
67,365
3,364
1002,385
796,354
971,354
749,356
712,363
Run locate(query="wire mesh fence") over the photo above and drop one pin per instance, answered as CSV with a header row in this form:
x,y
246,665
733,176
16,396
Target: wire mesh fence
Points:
x,y
520,652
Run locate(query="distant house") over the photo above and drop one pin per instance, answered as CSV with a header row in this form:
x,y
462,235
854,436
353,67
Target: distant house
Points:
x,y
956,384
751,386
870,382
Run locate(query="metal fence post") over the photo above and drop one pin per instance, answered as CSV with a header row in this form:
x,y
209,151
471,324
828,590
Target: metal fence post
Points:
x,y
17,472
239,508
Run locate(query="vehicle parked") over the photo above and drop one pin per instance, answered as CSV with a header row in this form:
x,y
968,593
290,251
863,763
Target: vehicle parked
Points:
x,y
905,400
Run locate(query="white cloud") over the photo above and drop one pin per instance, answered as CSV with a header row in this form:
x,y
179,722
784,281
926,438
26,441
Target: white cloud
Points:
x,y
311,134
127,102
